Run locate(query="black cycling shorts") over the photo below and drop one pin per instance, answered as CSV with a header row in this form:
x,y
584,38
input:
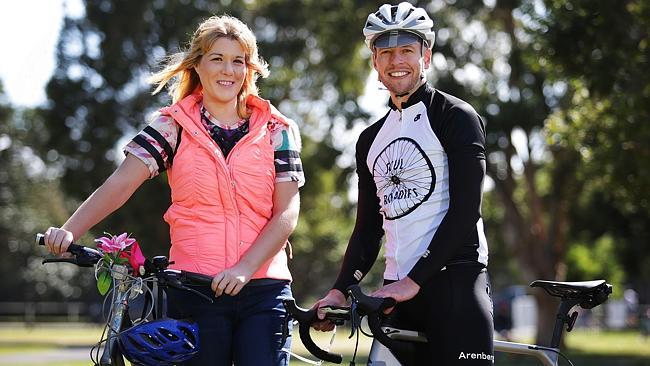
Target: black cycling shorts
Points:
x,y
454,310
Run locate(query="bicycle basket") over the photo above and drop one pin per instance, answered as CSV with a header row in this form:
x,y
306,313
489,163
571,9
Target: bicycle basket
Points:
x,y
160,342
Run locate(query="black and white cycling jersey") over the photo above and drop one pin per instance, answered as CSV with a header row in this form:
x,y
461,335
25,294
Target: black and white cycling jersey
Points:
x,y
420,172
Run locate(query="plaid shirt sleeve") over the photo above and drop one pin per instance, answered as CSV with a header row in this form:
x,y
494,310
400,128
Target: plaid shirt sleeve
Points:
x,y
286,144
156,144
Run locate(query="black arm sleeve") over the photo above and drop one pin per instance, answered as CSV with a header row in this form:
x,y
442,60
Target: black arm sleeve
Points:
x,y
463,137
365,240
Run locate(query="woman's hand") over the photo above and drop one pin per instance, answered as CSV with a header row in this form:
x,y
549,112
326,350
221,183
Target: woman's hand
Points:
x,y
231,280
333,298
57,241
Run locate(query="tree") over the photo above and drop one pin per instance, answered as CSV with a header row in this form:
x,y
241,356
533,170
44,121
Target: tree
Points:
x,y
98,96
29,199
554,122
600,50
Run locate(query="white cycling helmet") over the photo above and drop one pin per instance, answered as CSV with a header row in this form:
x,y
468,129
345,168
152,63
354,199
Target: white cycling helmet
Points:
x,y
397,25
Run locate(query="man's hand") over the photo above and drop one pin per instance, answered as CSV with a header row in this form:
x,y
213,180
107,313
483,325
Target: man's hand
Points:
x,y
333,298
402,290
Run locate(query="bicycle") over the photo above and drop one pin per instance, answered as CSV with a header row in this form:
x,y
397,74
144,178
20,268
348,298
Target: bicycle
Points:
x,y
153,280
586,294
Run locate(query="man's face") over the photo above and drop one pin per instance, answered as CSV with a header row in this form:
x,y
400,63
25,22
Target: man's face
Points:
x,y
399,68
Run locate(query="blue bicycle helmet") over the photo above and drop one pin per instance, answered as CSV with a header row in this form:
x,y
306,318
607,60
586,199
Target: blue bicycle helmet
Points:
x,y
160,342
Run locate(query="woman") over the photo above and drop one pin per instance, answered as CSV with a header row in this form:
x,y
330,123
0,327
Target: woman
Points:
x,y
234,171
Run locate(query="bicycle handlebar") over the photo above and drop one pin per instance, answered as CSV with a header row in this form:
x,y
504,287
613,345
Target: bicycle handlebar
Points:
x,y
373,308
362,305
84,256
305,319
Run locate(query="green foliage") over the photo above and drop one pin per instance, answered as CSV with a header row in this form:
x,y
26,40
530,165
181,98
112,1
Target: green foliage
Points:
x,y
30,201
600,49
104,281
568,77
593,260
99,100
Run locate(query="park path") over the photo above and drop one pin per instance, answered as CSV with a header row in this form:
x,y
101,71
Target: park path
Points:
x,y
73,354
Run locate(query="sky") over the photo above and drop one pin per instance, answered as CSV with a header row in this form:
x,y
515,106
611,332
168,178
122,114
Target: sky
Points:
x,y
29,30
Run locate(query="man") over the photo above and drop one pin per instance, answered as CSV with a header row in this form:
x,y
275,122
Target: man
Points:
x,y
421,169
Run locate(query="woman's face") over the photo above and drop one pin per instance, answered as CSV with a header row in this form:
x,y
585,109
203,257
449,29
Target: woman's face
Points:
x,y
222,70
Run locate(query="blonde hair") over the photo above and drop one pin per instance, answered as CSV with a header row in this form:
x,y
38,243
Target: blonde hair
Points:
x,y
180,66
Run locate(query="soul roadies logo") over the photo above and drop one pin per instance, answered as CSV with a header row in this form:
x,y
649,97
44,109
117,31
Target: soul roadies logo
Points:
x,y
404,176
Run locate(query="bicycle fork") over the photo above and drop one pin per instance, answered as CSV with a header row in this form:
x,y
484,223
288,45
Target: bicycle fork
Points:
x,y
118,308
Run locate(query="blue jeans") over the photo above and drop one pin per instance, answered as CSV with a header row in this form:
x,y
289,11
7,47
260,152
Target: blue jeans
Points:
x,y
244,330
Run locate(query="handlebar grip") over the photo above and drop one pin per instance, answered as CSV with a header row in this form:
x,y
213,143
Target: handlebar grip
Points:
x,y
305,319
72,248
198,278
82,256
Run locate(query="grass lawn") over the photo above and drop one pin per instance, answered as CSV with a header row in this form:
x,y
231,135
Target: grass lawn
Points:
x,y
594,348
586,348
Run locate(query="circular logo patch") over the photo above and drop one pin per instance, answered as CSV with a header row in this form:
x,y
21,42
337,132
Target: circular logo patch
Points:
x,y
404,176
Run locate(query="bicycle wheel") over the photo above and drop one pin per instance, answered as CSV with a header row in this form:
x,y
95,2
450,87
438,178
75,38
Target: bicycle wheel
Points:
x,y
404,176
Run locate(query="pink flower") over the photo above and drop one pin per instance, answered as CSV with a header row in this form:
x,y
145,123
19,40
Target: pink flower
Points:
x,y
114,244
136,258
121,249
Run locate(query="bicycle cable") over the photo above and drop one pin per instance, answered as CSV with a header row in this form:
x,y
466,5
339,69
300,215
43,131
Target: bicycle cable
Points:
x,y
356,347
307,360
133,284
554,351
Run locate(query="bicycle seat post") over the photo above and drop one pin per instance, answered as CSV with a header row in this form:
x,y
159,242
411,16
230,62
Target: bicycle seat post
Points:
x,y
563,317
587,294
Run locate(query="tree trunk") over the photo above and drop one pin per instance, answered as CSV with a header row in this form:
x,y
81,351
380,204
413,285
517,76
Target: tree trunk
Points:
x,y
546,314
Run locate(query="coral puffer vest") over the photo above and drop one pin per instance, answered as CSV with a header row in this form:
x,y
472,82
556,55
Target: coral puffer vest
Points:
x,y
220,205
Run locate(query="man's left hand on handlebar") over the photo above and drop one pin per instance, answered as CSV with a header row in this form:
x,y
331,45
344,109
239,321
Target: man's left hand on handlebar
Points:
x,y
402,290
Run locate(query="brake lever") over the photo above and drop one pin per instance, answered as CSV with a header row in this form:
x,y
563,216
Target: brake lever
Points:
x,y
197,293
355,318
176,283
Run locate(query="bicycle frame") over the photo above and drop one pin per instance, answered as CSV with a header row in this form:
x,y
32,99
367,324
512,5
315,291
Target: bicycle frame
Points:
x,y
587,294
153,271
380,355
548,356
111,354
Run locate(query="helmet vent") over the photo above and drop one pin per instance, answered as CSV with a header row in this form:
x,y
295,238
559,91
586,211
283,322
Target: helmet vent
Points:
x,y
151,340
167,334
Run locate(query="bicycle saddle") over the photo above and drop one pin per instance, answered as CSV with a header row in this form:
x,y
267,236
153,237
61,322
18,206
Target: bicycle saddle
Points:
x,y
589,293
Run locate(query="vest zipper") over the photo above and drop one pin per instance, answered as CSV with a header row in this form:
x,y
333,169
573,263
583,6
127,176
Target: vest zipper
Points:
x,y
224,163
233,186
